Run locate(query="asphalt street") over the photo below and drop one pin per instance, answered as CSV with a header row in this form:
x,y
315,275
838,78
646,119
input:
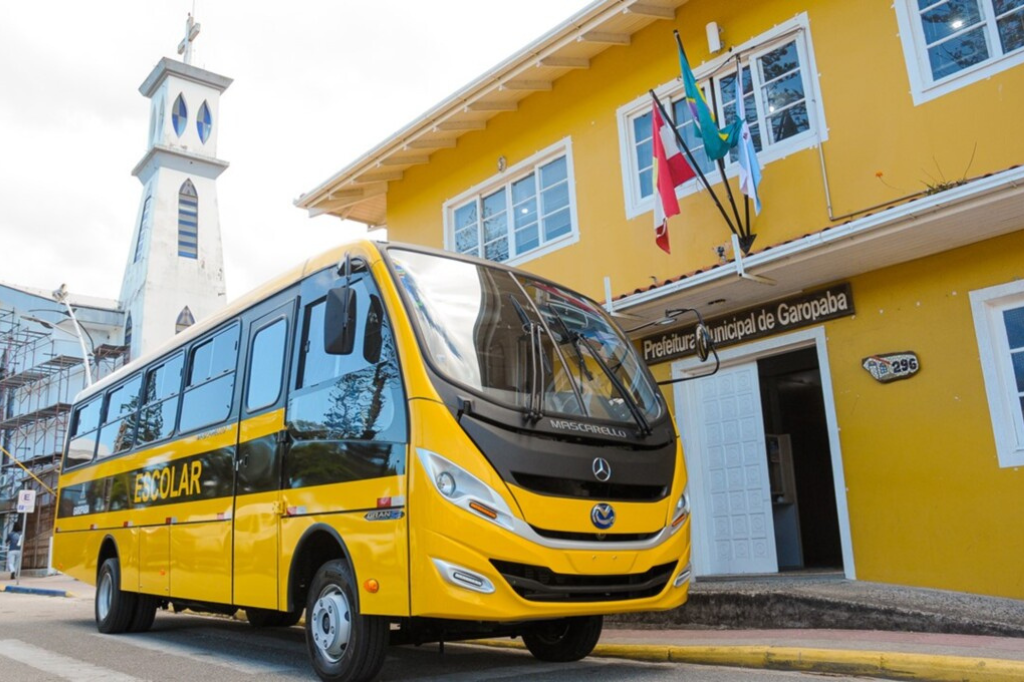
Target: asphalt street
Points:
x,y
48,638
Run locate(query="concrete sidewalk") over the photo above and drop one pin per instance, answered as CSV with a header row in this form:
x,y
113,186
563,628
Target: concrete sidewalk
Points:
x,y
890,654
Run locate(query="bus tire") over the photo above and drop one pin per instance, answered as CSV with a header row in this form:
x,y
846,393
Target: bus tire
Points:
x,y
269,618
115,608
344,645
145,613
563,640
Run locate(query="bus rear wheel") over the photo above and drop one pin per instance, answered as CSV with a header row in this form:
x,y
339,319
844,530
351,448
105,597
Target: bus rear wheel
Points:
x,y
344,645
564,640
115,608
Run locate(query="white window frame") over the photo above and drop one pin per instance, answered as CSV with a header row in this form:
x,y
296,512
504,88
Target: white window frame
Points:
x,y
987,306
798,29
504,179
923,87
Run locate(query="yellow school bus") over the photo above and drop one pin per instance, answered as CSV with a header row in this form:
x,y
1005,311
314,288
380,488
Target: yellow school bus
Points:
x,y
404,444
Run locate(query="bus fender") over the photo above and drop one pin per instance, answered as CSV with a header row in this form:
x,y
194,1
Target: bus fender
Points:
x,y
298,572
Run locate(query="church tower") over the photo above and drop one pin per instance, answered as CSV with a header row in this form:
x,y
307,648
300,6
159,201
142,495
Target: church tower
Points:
x,y
175,271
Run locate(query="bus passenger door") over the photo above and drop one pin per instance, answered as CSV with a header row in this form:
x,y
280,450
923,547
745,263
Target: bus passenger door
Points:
x,y
257,512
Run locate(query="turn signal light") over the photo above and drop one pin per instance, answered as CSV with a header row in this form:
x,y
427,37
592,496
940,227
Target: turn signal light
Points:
x,y
483,509
371,586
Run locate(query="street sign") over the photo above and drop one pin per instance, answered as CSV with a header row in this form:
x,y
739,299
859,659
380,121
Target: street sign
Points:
x,y
26,501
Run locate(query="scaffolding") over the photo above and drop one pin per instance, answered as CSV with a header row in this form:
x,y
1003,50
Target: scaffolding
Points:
x,y
39,377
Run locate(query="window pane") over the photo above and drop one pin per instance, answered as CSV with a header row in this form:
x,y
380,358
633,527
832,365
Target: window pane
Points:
x,y
642,128
214,357
554,172
115,437
783,92
317,365
466,241
266,366
497,251
645,155
124,399
207,404
947,18
1018,370
646,183
526,213
80,450
523,189
157,421
555,198
165,380
789,122
495,216
688,131
958,53
465,216
557,224
1011,28
88,416
527,239
1014,321
779,62
1007,5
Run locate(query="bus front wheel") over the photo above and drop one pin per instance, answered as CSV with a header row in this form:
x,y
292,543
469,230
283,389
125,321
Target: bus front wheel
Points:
x,y
344,645
115,608
564,640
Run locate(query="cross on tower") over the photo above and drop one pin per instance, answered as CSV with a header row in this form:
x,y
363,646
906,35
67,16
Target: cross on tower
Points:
x,y
185,46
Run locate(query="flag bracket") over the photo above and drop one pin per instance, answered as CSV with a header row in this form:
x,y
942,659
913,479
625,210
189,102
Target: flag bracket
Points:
x,y
740,268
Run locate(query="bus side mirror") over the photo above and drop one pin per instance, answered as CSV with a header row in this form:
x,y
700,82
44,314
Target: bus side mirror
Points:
x,y
340,321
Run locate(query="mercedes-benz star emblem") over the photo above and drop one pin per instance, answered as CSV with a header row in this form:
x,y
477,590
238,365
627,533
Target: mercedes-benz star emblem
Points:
x,y
602,516
602,469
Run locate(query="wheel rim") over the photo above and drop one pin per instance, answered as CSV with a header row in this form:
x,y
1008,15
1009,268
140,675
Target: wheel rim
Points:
x,y
331,623
104,596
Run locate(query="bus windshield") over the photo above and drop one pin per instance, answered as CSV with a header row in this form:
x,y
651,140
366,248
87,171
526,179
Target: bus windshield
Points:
x,y
523,342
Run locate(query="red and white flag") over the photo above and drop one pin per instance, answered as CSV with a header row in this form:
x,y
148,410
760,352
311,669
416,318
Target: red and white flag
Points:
x,y
670,171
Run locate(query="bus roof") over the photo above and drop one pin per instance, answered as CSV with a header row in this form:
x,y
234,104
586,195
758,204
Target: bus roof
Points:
x,y
239,305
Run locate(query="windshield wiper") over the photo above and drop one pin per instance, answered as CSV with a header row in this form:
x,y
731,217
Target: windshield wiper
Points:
x,y
535,400
576,339
627,397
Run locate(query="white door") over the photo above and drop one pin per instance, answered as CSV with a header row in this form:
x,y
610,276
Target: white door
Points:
x,y
723,433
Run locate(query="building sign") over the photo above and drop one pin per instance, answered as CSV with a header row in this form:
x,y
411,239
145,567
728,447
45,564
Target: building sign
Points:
x,y
892,366
753,323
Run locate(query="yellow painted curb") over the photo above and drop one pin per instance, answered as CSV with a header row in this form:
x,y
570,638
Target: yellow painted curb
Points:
x,y
888,664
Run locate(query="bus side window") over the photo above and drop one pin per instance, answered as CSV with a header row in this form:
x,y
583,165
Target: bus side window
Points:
x,y
211,381
160,400
82,442
266,363
118,431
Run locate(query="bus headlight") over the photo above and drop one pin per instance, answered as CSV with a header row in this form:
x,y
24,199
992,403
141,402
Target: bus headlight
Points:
x,y
465,490
682,510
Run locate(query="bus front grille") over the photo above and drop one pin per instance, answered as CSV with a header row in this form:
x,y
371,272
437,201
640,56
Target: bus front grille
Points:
x,y
568,487
537,583
593,537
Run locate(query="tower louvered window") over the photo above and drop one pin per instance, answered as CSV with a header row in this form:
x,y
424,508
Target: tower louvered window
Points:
x,y
188,221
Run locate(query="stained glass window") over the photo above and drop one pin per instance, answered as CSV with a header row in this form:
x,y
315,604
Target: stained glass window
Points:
x,y
204,122
179,115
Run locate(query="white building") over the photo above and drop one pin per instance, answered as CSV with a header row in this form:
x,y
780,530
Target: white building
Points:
x,y
174,276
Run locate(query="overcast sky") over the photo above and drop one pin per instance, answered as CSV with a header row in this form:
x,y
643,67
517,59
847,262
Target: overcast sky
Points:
x,y
316,84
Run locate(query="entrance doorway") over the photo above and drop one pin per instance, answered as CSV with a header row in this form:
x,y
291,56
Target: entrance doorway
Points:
x,y
804,513
762,452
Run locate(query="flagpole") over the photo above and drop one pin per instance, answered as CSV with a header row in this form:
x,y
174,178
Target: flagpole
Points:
x,y
739,93
744,233
693,162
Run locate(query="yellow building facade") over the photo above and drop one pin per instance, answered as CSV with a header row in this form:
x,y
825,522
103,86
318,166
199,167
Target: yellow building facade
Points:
x,y
867,415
